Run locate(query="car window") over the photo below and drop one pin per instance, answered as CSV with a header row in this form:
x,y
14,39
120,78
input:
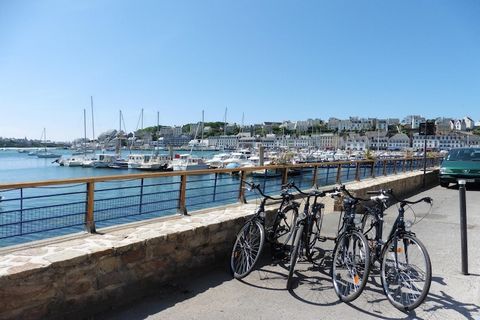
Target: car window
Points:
x,y
464,155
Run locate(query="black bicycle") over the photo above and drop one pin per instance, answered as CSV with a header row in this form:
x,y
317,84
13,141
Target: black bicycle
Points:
x,y
351,258
405,267
250,239
307,231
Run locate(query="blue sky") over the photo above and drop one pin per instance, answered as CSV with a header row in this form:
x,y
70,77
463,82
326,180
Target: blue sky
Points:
x,y
272,60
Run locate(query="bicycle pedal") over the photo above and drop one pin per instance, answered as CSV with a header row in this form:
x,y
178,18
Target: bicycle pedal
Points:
x,y
322,239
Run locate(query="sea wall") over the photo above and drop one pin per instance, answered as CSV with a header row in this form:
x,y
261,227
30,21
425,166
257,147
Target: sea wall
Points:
x,y
76,277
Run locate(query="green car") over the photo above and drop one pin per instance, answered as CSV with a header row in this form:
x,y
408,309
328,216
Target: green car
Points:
x,y
462,163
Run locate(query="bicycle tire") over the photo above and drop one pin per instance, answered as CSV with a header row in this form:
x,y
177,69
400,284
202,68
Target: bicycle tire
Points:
x,y
247,249
370,232
281,230
312,235
410,270
341,284
298,235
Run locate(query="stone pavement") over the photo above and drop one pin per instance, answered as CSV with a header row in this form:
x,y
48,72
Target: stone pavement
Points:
x,y
262,295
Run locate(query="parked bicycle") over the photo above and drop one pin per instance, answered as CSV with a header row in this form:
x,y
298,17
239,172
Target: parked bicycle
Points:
x,y
250,239
405,267
351,258
307,231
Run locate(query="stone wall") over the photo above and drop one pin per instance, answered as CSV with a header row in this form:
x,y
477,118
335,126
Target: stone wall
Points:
x,y
80,276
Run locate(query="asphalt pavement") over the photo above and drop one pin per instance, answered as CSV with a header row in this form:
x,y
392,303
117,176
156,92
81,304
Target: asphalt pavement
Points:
x,y
213,294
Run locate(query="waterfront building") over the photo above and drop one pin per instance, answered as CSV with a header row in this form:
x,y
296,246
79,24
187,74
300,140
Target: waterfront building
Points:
x,y
326,141
446,141
378,140
357,142
400,141
224,142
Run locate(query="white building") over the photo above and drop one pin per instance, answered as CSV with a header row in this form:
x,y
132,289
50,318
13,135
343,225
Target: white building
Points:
x,y
224,142
378,140
400,141
357,142
326,141
413,121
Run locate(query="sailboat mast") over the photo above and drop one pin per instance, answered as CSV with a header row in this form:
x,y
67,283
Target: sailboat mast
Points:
x,y
85,133
158,131
203,121
225,123
93,122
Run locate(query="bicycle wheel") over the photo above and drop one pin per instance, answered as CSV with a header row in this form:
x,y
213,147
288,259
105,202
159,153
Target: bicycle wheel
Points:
x,y
247,249
312,236
350,267
369,222
297,241
280,234
406,272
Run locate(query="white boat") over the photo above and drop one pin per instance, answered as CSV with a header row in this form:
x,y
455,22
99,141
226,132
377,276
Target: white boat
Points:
x,y
100,161
218,160
147,162
187,162
72,161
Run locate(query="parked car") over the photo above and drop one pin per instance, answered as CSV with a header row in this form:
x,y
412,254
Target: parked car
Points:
x,y
461,163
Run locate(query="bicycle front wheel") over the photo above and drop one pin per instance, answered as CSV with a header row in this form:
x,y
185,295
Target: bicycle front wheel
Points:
x,y
297,241
406,272
247,249
350,268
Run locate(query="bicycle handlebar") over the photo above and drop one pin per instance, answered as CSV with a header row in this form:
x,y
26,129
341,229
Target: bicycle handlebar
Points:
x,y
425,199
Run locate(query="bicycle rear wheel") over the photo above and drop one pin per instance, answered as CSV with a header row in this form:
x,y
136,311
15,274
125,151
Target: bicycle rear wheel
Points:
x,y
406,272
280,235
297,241
350,268
312,236
247,249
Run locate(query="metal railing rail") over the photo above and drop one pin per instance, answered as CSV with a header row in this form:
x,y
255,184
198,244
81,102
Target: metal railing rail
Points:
x,y
28,209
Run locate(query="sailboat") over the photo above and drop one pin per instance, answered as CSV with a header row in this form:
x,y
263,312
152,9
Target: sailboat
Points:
x,y
75,160
45,153
186,161
149,162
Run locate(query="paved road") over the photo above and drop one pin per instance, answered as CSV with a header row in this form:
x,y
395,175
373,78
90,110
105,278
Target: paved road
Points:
x,y
262,295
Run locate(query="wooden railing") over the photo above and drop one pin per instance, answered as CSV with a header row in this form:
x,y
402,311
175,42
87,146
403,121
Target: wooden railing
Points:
x,y
357,170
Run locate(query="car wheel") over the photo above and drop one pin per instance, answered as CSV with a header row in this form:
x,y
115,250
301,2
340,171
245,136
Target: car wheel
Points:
x,y
444,184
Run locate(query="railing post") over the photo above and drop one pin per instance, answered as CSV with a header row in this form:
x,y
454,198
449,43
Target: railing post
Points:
x,y
326,176
314,179
89,216
411,164
21,211
384,167
241,190
357,172
182,208
339,172
215,186
394,166
141,195
372,169
285,176
404,165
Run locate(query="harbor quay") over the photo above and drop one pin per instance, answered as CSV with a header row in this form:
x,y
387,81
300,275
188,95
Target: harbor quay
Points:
x,y
80,275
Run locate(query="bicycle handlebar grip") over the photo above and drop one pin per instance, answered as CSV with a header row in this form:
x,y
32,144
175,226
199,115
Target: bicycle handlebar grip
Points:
x,y
374,192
